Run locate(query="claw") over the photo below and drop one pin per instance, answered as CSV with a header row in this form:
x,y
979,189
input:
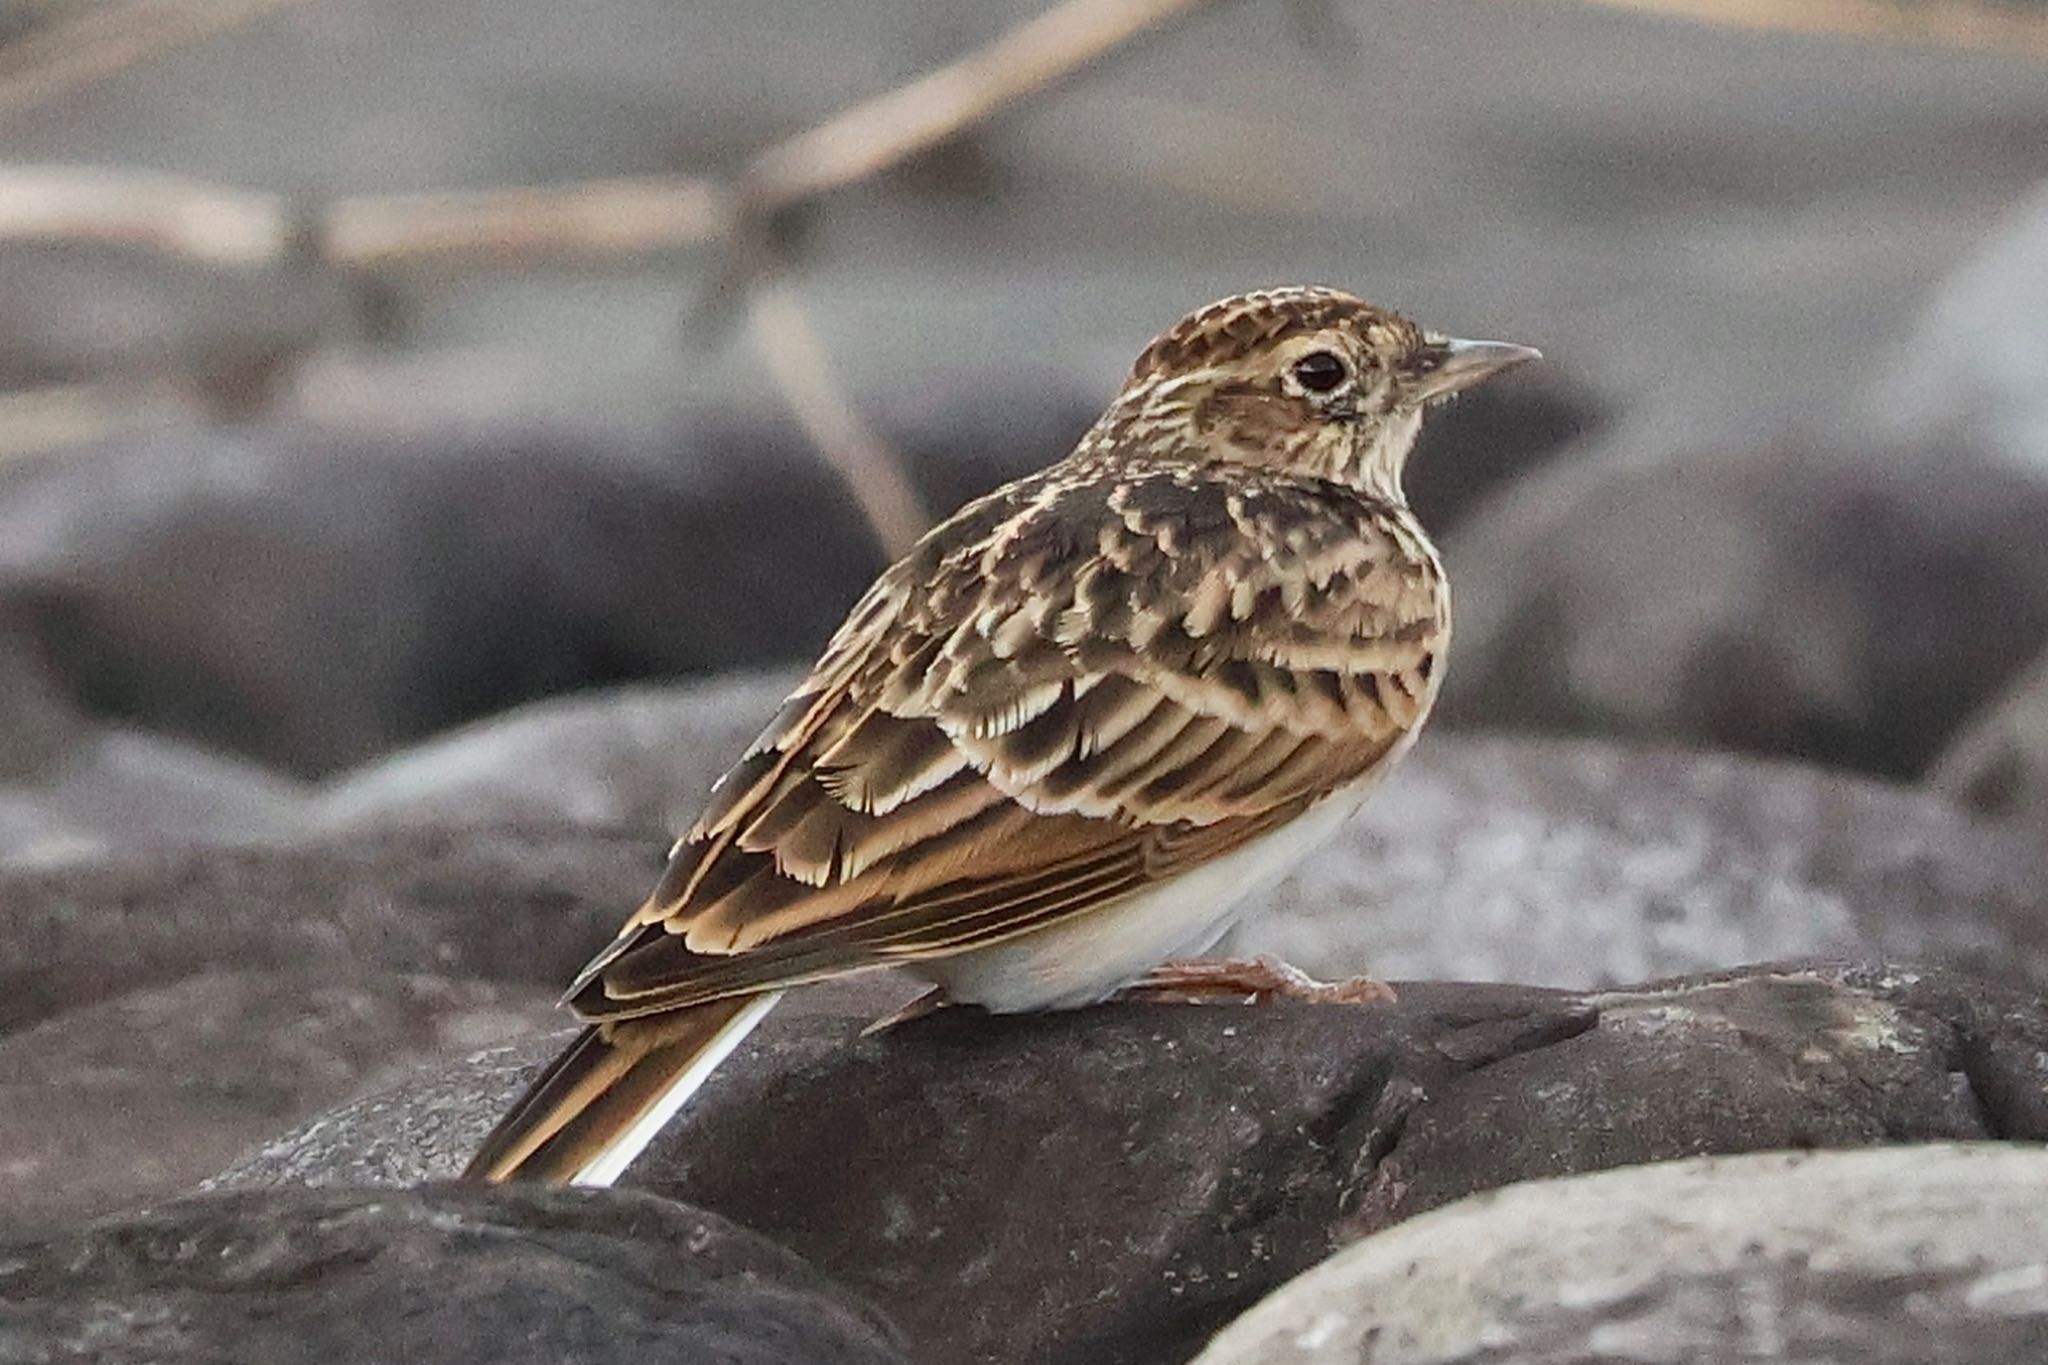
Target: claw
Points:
x,y
931,1002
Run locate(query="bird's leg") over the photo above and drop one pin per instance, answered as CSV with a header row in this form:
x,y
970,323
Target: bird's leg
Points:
x,y
1252,983
931,1002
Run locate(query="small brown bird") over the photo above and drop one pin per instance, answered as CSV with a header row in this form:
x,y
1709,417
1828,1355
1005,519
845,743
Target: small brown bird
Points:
x,y
1070,735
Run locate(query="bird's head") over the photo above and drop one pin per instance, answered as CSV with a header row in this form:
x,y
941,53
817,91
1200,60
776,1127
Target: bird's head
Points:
x,y
1310,380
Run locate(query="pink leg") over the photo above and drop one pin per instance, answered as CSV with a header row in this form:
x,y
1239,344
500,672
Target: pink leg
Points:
x,y
1251,983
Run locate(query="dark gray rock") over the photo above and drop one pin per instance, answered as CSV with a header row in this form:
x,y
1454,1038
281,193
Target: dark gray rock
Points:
x,y
140,1096
1113,1185
73,787
1491,437
448,1276
426,1127
502,904
1998,765
38,726
1926,1255
309,599
1850,607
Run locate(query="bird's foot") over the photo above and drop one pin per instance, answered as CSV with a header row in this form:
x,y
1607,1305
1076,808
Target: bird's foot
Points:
x,y
931,1002
1204,982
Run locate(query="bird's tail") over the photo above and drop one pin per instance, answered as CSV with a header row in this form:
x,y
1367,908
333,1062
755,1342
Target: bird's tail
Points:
x,y
598,1105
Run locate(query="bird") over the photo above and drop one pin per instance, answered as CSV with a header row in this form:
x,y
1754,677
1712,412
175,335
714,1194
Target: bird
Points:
x,y
1058,749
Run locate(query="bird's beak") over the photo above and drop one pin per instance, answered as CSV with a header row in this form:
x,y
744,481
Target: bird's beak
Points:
x,y
1458,365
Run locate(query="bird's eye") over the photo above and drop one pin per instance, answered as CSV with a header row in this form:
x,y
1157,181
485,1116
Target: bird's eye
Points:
x,y
1320,371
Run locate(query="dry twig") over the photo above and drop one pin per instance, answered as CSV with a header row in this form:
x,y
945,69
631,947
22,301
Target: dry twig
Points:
x,y
596,220
781,332
1973,24
879,133
178,217
53,61
599,219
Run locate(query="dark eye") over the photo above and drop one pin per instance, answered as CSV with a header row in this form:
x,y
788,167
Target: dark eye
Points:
x,y
1320,371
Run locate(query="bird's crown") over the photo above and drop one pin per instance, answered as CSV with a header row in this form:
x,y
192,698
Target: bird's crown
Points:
x,y
1235,328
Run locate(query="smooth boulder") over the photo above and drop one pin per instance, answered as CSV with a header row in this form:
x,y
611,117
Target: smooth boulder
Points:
x,y
1918,1255
447,1275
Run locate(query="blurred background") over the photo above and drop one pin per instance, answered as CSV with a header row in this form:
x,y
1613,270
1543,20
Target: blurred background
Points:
x,y
314,446
369,368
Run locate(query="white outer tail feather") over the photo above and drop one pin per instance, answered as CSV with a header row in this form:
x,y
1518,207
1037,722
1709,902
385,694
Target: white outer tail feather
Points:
x,y
604,1169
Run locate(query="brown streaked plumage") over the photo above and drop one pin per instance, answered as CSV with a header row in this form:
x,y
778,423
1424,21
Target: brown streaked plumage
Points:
x,y
1062,739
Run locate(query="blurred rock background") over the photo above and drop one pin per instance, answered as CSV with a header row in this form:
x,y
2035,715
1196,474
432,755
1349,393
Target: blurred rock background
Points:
x,y
371,613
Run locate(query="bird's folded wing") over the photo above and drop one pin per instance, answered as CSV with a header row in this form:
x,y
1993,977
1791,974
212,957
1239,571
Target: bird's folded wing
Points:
x,y
1092,690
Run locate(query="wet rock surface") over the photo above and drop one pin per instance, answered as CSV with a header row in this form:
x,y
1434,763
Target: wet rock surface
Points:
x,y
1924,1255
449,1275
1114,1185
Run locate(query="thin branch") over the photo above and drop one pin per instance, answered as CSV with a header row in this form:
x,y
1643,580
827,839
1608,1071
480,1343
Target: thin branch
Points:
x,y
595,220
781,332
879,133
601,219
1972,24
36,421
178,217
54,61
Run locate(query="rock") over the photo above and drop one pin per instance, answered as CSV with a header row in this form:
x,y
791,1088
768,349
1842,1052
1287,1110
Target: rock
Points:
x,y
426,1127
1827,604
1553,862
1928,1255
501,904
1998,766
32,833
639,757
1584,863
1969,373
447,1276
37,725
1113,1185
71,787
121,789
1492,436
142,1095
309,597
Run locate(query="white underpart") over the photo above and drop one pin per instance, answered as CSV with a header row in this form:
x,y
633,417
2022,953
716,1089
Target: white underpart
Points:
x,y
607,1166
1098,952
